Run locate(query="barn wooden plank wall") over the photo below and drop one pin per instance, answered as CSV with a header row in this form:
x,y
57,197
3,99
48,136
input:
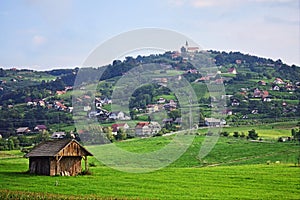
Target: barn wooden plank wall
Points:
x,y
62,158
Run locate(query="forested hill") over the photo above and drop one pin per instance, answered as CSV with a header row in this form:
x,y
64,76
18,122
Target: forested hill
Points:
x,y
18,85
256,64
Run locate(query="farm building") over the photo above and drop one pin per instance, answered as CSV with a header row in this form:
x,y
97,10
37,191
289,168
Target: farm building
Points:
x,y
56,157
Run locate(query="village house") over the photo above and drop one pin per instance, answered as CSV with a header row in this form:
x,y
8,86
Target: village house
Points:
x,y
118,115
67,88
203,79
275,88
235,102
29,103
87,108
86,97
219,81
267,99
160,81
40,128
145,129
57,157
226,96
213,122
192,49
161,100
93,114
264,94
278,81
227,112
167,121
58,135
256,93
170,106
22,130
178,121
60,92
98,103
41,103
106,101
192,71
260,94
289,87
116,127
60,106
151,108
175,54
70,109
232,70
238,62
262,82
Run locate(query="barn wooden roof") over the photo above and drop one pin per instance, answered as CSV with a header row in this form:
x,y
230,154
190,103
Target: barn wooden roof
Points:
x,y
57,148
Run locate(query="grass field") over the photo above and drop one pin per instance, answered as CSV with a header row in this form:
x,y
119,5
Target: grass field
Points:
x,y
234,169
265,131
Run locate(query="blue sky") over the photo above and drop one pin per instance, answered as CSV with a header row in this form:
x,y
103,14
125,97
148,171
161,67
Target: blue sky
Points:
x,y
46,34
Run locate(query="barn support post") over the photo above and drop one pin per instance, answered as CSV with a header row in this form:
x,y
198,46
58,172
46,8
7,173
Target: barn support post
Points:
x,y
85,163
58,165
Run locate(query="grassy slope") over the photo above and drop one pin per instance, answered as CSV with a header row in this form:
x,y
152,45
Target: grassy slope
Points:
x,y
249,177
249,181
266,131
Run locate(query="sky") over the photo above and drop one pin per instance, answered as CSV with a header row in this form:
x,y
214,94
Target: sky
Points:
x,y
48,34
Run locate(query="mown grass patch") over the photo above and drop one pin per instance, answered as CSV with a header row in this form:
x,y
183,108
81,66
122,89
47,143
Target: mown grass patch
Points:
x,y
275,181
234,169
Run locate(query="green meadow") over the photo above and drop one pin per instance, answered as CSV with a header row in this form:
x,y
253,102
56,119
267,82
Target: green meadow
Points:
x,y
234,169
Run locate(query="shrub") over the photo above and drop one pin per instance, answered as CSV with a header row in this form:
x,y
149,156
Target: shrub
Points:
x,y
252,134
242,135
236,134
225,133
86,172
92,164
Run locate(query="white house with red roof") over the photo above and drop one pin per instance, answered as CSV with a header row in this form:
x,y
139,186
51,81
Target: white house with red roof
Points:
x,y
143,129
232,70
278,81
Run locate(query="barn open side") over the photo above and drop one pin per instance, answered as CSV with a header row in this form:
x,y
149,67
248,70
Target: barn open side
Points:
x,y
58,157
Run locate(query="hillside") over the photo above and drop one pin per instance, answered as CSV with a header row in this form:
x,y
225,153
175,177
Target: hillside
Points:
x,y
258,90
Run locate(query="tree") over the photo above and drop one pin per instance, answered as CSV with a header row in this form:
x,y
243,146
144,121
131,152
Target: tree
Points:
x,y
296,134
11,144
174,114
252,134
183,49
121,134
68,135
24,141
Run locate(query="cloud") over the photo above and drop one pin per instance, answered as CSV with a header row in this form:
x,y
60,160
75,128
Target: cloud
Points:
x,y
39,40
54,12
277,20
211,3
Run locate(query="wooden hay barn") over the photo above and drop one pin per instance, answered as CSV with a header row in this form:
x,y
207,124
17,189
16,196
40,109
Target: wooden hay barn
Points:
x,y
57,157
